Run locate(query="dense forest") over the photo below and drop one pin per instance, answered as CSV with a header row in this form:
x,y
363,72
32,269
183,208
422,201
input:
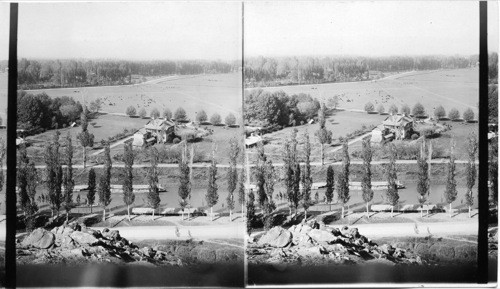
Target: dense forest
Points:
x,y
74,73
262,71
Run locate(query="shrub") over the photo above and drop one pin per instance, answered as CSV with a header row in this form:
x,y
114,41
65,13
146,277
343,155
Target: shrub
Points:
x,y
215,119
155,113
167,114
468,114
405,109
418,110
180,114
393,109
131,111
230,119
201,116
454,114
439,112
380,109
414,136
142,112
369,107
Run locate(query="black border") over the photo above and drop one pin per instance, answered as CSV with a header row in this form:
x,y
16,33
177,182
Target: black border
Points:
x,y
10,238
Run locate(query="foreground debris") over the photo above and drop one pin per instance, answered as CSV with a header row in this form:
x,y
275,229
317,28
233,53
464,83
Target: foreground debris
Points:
x,y
315,244
77,244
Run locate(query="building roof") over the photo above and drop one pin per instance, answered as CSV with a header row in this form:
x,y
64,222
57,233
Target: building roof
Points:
x,y
159,124
397,120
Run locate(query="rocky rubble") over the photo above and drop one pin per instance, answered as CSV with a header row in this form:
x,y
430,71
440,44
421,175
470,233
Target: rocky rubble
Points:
x,y
75,243
315,244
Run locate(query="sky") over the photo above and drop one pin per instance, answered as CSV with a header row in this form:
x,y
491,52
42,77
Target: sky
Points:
x,y
126,30
361,28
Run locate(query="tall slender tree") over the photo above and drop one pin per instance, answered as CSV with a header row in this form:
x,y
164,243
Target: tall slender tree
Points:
x,y
366,184
324,136
104,189
69,183
27,179
343,179
269,205
91,188
306,177
250,211
392,194
423,177
471,171
184,190
260,174
232,181
2,157
86,138
241,192
450,192
153,181
330,184
493,172
212,196
128,189
54,173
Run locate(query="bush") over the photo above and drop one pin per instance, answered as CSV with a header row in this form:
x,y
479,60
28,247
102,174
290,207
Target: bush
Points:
x,y
230,119
215,119
167,114
418,110
131,111
142,113
380,109
369,107
155,113
393,109
405,109
414,136
454,114
201,116
468,114
439,112
180,114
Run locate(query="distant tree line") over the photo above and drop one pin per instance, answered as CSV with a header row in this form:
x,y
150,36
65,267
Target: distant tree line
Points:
x,y
39,112
74,73
268,71
278,108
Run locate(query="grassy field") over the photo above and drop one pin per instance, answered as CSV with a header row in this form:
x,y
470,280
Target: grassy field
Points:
x,y
449,88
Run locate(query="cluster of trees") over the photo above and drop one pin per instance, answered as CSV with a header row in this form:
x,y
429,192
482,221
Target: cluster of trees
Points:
x,y
39,112
71,73
278,108
270,71
181,115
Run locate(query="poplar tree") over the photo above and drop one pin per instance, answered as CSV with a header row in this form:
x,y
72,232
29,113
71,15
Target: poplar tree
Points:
x,y
450,192
69,183
250,211
27,179
128,189
54,172
324,136
91,188
493,172
269,205
471,171
330,184
184,190
343,179
154,192
104,189
306,177
232,181
86,138
212,197
260,174
241,192
366,184
423,178
392,187
2,157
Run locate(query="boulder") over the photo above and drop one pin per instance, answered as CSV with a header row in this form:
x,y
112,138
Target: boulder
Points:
x,y
39,238
147,251
387,249
321,236
302,240
67,242
84,238
309,252
62,230
354,233
276,237
337,248
111,234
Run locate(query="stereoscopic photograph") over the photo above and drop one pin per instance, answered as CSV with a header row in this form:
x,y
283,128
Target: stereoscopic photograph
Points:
x,y
248,143
362,139
129,135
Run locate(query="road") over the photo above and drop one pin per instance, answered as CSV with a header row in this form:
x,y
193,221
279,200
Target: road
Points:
x,y
224,231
